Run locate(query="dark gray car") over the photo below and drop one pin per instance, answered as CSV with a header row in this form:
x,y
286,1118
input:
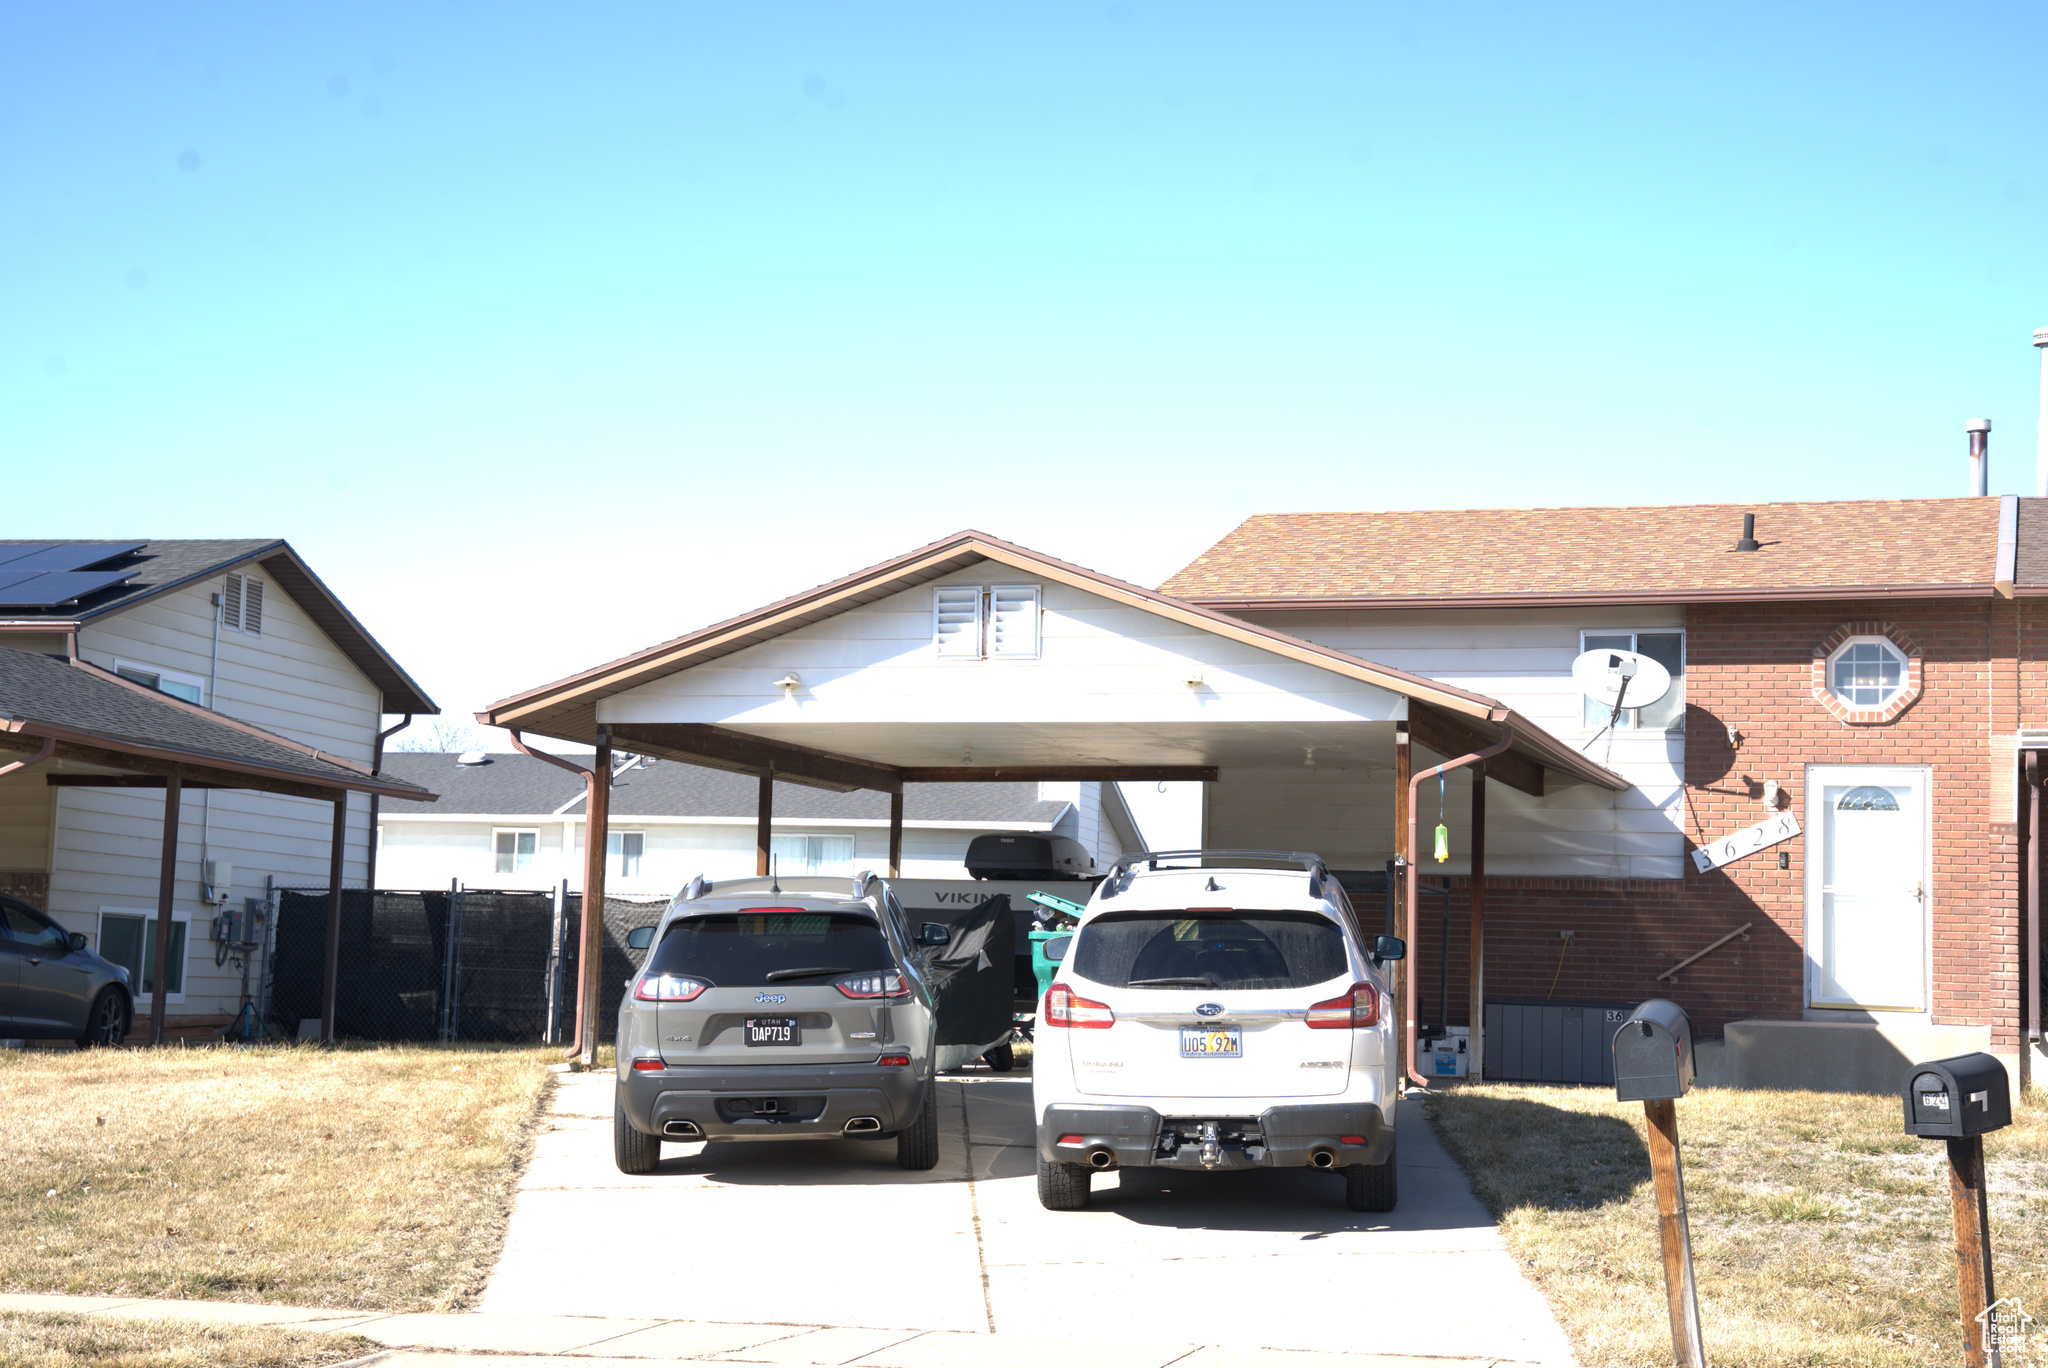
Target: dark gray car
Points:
x,y
779,1010
52,987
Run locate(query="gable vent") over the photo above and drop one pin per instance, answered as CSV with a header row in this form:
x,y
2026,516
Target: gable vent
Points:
x,y
241,604
1013,620
956,620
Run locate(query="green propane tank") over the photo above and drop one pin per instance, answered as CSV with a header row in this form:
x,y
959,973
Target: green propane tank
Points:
x,y
1043,969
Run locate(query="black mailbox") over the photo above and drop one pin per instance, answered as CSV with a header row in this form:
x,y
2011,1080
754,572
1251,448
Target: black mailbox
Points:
x,y
1952,1098
1653,1053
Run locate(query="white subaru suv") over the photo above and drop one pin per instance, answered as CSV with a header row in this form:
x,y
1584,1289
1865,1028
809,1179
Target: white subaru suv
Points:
x,y
1215,1010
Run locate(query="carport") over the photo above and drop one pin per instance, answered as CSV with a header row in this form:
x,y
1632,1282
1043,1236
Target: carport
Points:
x,y
87,727
974,659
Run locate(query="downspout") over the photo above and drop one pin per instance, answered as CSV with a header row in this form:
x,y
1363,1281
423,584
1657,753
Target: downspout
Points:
x,y
592,851
1507,739
49,748
206,795
2032,876
377,767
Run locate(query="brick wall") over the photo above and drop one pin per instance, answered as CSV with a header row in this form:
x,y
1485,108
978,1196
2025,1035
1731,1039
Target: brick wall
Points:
x,y
33,889
1751,667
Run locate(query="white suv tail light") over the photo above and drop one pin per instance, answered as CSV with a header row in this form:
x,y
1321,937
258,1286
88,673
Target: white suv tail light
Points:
x,y
1357,1009
1066,1008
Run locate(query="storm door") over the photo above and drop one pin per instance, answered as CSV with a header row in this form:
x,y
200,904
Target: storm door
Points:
x,y
1866,888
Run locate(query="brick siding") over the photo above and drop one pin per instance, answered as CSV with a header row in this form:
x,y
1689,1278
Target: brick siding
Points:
x,y
1752,667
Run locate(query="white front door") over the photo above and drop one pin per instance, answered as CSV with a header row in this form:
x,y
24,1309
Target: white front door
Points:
x,y
1866,887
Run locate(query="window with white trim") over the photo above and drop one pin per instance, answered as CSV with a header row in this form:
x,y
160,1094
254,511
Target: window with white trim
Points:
x,y
1667,649
241,604
623,850
973,622
128,938
176,683
1867,672
515,850
820,855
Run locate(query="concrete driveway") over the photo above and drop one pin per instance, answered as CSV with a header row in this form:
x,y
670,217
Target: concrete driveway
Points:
x,y
833,1233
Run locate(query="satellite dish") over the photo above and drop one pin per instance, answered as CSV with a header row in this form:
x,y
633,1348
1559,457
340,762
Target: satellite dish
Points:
x,y
1601,676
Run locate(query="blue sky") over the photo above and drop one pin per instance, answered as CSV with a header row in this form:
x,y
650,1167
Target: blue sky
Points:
x,y
545,334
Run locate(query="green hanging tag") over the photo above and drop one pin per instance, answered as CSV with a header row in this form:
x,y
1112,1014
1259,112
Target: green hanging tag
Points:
x,y
1443,843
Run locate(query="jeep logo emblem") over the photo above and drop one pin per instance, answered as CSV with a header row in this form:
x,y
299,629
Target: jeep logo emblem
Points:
x,y
1209,1009
770,997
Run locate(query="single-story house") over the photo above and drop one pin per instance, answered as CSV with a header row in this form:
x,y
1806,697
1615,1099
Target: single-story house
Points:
x,y
516,822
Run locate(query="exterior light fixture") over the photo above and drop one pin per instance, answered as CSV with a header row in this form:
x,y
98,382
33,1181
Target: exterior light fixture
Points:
x,y
789,683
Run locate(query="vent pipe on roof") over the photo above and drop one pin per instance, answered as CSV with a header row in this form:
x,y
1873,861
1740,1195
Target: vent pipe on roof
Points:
x,y
1980,455
2041,449
1749,541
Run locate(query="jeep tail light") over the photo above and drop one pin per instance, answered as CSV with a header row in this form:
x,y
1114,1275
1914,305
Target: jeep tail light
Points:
x,y
1358,1008
668,988
895,1061
648,1066
886,983
1064,1007
1071,1140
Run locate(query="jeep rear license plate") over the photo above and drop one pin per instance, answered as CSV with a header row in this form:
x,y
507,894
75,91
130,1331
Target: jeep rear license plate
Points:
x,y
773,1031
1211,1042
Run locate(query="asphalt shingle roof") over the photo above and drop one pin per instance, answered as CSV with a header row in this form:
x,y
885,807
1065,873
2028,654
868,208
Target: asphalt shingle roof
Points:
x,y
1674,551
519,785
40,689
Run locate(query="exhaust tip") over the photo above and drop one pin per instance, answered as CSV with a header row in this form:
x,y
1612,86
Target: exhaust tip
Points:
x,y
680,1130
1323,1159
1100,1158
862,1125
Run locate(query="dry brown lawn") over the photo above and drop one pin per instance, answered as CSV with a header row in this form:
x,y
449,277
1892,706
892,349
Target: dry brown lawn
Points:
x,y
1821,1233
63,1341
361,1177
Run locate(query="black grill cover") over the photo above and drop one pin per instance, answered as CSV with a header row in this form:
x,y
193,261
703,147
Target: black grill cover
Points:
x,y
972,973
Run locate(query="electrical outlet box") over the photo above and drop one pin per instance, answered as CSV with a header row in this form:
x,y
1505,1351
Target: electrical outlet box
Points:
x,y
219,877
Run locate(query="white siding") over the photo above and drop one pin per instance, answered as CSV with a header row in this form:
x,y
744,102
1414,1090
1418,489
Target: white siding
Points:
x,y
427,853
1521,656
291,680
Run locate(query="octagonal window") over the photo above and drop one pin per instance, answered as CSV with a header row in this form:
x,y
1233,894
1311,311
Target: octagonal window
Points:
x,y
1866,672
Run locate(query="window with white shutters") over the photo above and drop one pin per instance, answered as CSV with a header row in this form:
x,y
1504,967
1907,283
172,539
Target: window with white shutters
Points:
x,y
241,604
956,620
1013,620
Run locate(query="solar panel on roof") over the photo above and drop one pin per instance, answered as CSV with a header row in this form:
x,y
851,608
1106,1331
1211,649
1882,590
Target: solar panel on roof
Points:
x,y
62,556
60,587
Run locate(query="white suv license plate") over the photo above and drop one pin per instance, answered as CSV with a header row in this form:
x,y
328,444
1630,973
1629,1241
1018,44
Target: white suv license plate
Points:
x,y
1212,1042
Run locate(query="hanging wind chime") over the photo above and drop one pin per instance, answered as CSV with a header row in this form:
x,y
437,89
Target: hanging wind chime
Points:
x,y
1443,833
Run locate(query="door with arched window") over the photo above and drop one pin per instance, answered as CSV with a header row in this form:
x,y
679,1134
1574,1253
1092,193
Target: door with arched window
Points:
x,y
1866,888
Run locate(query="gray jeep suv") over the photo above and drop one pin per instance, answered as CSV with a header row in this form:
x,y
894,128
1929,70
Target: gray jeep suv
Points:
x,y
779,1010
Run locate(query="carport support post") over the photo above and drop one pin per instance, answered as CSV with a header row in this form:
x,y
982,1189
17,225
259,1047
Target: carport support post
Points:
x,y
1475,988
896,834
1973,1247
764,821
1679,1289
330,976
1403,765
596,849
166,886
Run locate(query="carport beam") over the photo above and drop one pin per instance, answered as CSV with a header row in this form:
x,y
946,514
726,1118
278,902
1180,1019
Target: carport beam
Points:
x,y
896,834
330,976
764,821
166,887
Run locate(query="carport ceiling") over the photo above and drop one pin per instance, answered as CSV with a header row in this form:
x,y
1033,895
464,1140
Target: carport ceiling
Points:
x,y
986,744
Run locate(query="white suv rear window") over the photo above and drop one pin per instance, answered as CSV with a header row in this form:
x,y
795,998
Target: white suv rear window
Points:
x,y
1237,949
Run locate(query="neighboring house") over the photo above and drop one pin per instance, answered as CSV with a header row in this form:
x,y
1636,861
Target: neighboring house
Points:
x,y
511,821
241,639
1874,669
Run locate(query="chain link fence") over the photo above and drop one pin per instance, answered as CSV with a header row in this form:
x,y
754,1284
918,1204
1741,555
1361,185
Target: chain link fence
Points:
x,y
448,964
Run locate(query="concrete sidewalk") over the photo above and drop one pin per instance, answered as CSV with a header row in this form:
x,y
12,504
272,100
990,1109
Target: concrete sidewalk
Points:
x,y
456,1340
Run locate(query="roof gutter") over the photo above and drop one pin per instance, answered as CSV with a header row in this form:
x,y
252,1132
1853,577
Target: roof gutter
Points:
x,y
1828,593
49,748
